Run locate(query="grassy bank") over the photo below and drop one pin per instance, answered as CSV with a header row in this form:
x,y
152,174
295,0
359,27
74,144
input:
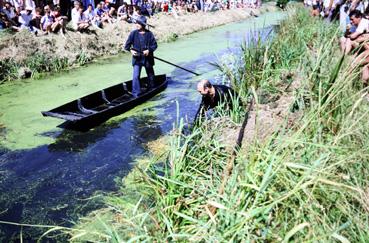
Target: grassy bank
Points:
x,y
52,53
304,181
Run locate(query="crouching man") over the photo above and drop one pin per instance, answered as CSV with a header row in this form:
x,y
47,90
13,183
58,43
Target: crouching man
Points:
x,y
212,96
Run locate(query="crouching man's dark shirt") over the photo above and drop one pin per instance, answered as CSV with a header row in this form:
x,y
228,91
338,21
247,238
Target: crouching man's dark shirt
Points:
x,y
141,42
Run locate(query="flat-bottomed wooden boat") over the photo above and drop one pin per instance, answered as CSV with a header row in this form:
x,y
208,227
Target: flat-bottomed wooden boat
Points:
x,y
97,107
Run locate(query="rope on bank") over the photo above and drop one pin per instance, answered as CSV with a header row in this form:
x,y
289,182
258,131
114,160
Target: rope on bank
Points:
x,y
230,164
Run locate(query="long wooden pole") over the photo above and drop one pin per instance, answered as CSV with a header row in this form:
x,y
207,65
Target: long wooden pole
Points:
x,y
170,63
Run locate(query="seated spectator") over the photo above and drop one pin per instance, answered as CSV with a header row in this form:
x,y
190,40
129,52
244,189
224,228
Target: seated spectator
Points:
x,y
92,18
173,9
165,7
100,14
47,20
59,21
89,13
80,23
108,10
192,7
10,13
353,40
106,6
135,15
315,11
122,12
36,20
145,7
25,18
75,10
4,21
98,10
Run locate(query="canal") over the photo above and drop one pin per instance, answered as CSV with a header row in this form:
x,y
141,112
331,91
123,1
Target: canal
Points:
x,y
48,174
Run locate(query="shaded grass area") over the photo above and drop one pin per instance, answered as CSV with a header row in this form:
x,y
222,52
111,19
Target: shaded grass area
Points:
x,y
307,182
37,65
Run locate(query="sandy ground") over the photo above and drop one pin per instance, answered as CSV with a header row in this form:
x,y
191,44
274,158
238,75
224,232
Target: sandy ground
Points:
x,y
109,41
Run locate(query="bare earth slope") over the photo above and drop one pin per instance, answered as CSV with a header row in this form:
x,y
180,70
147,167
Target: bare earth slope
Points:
x,y
108,41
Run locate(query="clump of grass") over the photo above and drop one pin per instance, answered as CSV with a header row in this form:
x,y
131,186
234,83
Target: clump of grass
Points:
x,y
171,37
8,70
37,64
83,58
305,183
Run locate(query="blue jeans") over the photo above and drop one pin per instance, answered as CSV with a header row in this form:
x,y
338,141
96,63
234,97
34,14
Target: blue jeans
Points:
x,y
136,86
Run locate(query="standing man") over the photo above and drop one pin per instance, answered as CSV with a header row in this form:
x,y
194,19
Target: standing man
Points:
x,y
142,44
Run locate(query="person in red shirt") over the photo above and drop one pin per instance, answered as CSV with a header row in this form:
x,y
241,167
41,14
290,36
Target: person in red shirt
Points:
x,y
165,7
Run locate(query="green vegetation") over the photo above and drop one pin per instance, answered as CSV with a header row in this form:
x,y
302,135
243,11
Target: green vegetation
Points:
x,y
171,37
306,182
34,65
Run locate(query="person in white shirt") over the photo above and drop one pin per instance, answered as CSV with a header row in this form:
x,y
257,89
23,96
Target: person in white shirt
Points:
x,y
122,12
80,23
25,18
361,34
89,13
91,17
9,11
47,20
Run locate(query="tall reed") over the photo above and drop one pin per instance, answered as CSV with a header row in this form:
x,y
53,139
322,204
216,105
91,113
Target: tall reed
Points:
x,y
306,182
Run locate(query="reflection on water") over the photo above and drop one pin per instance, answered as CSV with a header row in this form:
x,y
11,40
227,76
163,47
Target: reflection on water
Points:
x,y
48,182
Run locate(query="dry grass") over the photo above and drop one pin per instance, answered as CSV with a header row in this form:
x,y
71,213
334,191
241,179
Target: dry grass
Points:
x,y
79,48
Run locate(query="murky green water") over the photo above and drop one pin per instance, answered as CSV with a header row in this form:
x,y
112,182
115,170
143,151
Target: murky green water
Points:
x,y
47,172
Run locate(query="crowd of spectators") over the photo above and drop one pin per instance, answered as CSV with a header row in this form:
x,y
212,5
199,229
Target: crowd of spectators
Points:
x,y
52,16
353,18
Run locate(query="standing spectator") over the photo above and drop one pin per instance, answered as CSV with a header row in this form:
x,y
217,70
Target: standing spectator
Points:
x,y
31,4
86,3
17,4
202,5
65,6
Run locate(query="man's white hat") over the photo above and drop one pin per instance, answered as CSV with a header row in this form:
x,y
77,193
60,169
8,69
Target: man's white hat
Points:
x,y
29,8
